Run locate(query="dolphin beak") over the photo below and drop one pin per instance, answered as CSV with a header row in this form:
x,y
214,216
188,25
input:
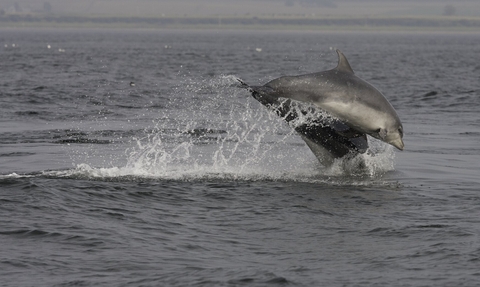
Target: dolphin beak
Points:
x,y
398,143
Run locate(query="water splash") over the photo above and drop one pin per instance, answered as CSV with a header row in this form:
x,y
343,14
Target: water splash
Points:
x,y
378,160
212,129
225,135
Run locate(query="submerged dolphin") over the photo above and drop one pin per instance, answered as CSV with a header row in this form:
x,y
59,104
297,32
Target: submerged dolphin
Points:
x,y
359,108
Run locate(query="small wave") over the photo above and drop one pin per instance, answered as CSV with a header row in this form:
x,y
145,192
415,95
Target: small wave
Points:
x,y
30,233
15,175
27,113
275,280
37,234
15,154
82,141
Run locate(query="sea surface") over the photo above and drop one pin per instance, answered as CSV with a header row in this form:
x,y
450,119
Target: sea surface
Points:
x,y
132,158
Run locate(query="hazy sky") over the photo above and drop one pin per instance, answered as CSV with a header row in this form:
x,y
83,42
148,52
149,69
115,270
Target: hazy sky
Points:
x,y
247,7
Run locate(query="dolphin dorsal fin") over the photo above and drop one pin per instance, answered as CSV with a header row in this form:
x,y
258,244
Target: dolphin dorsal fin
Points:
x,y
343,64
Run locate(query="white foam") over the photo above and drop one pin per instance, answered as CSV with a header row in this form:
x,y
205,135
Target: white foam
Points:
x,y
378,160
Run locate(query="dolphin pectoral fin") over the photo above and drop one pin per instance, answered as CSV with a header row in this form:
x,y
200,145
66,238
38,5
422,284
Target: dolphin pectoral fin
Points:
x,y
360,142
324,156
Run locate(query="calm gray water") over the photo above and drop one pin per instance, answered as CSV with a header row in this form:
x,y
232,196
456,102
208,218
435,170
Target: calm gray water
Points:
x,y
183,179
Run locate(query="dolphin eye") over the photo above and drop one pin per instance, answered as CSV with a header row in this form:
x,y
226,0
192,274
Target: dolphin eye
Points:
x,y
400,131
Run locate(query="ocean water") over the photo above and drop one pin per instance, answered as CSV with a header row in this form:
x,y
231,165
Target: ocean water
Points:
x,y
132,158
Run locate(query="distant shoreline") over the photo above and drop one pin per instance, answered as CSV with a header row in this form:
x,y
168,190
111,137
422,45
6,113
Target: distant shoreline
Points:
x,y
460,24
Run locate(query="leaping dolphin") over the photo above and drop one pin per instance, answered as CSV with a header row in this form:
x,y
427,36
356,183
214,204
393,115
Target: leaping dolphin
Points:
x,y
358,108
